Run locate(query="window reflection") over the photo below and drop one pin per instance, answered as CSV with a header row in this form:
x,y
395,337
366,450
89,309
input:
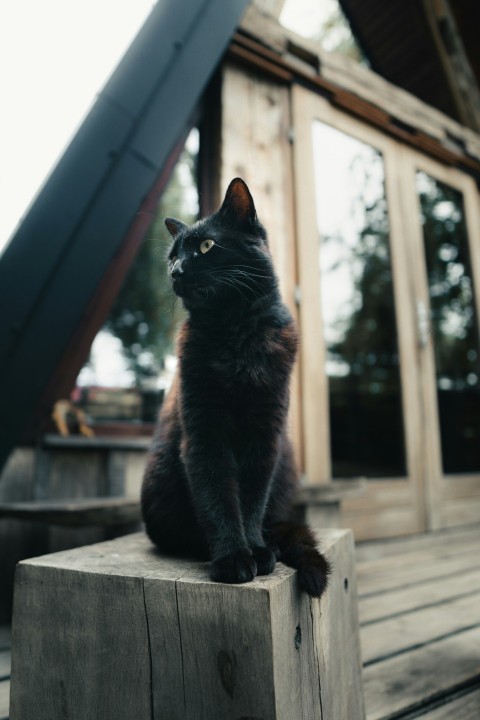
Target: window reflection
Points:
x,y
454,323
366,425
131,361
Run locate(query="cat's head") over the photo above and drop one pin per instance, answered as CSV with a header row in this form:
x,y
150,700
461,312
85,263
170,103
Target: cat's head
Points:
x,y
223,258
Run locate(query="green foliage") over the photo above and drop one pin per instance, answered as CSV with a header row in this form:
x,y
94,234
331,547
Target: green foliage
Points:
x,y
335,35
146,313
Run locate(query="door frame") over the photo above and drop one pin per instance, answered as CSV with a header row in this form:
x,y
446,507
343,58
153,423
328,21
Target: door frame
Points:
x,y
389,506
452,499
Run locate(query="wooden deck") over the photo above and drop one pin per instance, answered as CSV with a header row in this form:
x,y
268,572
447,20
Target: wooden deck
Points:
x,y
419,605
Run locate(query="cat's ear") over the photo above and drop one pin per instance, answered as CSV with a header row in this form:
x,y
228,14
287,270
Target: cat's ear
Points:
x,y
238,203
174,227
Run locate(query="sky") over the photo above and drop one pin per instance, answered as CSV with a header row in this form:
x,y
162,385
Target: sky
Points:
x,y
55,55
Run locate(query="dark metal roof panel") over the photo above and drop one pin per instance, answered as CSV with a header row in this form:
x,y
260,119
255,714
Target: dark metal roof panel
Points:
x,y
59,254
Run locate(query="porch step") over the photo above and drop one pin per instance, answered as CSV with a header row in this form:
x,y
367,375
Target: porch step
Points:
x,y
76,512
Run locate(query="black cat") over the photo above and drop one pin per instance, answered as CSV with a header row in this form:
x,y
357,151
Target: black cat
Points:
x,y
221,477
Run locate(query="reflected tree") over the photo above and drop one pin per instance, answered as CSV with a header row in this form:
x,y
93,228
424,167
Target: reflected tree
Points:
x,y
364,378
453,316
368,339
454,323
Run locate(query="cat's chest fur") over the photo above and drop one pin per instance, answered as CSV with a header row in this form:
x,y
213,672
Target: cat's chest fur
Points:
x,y
252,353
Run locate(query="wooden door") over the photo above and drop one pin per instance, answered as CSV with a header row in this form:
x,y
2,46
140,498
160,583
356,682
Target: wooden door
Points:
x,y
442,226
359,366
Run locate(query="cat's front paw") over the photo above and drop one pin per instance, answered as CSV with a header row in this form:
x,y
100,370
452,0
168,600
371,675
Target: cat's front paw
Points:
x,y
237,567
265,558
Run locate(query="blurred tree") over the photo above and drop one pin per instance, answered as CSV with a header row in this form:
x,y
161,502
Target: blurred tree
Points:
x,y
146,313
453,318
367,337
335,35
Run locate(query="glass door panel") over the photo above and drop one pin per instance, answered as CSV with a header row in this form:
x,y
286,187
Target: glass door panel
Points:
x,y
358,311
454,323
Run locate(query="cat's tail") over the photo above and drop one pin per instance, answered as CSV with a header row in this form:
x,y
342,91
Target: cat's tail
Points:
x,y
297,548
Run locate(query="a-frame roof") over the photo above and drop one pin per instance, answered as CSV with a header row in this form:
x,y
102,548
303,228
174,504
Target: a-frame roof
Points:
x,y
52,273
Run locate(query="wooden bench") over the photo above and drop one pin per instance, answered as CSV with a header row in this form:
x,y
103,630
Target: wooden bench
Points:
x,y
115,631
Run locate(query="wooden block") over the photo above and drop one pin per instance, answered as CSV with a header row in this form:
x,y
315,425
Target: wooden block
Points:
x,y
4,695
116,631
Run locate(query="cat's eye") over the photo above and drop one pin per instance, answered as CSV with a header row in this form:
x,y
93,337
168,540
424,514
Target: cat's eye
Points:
x,y
206,245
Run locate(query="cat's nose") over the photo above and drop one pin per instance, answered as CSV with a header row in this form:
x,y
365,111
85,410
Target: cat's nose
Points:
x,y
177,269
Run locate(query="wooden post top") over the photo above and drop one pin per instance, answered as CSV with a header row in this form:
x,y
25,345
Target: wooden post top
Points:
x,y
134,556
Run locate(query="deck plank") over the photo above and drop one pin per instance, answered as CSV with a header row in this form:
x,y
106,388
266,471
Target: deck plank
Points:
x,y
371,550
403,571
409,681
389,637
466,707
427,594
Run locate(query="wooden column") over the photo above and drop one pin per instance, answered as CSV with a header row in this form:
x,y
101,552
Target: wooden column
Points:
x,y
256,145
115,631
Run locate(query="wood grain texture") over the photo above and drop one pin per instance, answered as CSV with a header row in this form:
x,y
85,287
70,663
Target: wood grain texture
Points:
x,y
426,594
420,640
88,634
123,632
411,680
465,707
412,570
394,635
388,547
255,125
336,632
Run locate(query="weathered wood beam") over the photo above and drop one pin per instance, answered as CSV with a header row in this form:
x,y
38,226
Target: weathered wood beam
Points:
x,y
451,51
281,54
